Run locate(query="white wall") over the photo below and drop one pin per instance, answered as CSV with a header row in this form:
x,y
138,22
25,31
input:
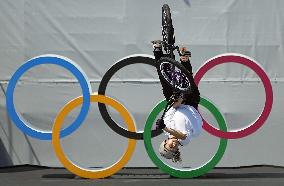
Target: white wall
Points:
x,y
96,34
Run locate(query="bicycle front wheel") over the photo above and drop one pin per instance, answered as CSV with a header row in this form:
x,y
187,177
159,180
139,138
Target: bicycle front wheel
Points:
x,y
167,26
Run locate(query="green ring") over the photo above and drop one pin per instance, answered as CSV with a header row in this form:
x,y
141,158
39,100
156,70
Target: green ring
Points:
x,y
178,172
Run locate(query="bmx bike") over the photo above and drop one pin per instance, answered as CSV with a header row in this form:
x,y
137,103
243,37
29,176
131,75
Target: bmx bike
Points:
x,y
170,70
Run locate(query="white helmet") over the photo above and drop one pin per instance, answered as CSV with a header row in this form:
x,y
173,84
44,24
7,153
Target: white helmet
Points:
x,y
168,154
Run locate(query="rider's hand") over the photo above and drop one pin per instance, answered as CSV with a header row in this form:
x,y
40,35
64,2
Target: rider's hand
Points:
x,y
160,124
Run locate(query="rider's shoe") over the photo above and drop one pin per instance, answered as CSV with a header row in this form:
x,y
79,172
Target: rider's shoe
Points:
x,y
157,45
185,52
156,42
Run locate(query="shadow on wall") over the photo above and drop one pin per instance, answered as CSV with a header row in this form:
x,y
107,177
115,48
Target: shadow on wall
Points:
x,y
5,159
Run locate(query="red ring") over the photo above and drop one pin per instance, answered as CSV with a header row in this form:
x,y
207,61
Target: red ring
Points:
x,y
244,60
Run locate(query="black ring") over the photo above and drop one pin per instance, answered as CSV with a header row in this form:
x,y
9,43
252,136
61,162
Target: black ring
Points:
x,y
102,89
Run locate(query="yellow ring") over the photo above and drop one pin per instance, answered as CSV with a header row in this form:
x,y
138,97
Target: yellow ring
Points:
x,y
82,172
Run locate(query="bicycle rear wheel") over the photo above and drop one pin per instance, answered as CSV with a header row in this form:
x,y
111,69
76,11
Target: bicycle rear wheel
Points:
x,y
174,74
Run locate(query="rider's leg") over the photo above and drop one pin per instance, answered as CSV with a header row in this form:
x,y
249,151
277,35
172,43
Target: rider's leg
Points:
x,y
167,89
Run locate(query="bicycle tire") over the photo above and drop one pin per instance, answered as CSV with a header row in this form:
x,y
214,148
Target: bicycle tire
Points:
x,y
167,27
187,76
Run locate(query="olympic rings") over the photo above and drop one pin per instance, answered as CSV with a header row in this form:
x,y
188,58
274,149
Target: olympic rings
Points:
x,y
131,131
102,90
244,60
20,122
85,173
183,173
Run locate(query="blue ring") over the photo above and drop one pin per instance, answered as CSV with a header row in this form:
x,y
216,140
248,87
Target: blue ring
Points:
x,y
23,125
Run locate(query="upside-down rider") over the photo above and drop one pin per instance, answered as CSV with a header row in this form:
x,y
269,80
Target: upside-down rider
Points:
x,y
182,121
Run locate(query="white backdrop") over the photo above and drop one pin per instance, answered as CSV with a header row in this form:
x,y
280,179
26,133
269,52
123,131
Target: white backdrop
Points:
x,y
96,34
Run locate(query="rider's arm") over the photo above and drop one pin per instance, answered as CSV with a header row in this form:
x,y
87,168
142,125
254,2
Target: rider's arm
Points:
x,y
158,53
176,133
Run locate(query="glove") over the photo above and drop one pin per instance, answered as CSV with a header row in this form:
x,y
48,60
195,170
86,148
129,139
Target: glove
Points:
x,y
160,124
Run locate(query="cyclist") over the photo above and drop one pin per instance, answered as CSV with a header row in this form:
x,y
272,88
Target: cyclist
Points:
x,y
182,121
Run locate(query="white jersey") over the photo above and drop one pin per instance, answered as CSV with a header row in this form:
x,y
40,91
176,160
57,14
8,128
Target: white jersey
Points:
x,y
185,119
